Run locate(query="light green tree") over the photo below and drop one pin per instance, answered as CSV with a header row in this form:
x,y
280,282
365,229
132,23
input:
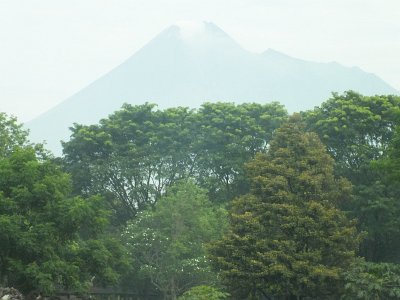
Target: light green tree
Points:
x,y
168,244
12,134
203,292
48,239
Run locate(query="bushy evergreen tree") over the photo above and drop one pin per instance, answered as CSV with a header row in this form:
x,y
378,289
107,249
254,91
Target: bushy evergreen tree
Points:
x,y
288,238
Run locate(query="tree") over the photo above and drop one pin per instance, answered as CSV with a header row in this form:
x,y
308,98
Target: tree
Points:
x,y
372,281
383,207
357,131
287,237
390,162
11,135
227,136
130,157
135,154
203,292
48,239
168,244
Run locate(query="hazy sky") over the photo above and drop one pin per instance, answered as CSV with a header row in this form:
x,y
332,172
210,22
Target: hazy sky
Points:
x,y
51,49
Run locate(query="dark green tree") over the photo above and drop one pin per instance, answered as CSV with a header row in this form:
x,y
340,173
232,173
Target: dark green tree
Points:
x,y
357,131
372,281
384,210
287,237
390,163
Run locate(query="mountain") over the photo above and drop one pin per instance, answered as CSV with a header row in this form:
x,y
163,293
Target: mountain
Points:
x,y
188,64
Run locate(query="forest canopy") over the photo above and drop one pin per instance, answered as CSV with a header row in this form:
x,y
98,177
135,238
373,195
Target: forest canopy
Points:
x,y
227,201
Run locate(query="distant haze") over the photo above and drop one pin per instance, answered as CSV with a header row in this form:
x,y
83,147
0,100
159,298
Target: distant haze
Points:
x,y
190,63
52,49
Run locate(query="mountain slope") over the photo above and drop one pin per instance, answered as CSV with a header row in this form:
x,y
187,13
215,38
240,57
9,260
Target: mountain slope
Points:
x,y
187,65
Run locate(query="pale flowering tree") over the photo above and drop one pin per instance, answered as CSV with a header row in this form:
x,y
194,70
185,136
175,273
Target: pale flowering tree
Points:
x,y
168,244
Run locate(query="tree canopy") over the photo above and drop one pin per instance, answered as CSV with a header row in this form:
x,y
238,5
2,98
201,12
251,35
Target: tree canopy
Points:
x,y
356,129
183,203
136,153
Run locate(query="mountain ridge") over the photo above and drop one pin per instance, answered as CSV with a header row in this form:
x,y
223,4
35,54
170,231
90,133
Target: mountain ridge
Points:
x,y
186,65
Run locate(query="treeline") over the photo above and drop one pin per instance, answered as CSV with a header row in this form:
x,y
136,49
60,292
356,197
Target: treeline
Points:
x,y
225,201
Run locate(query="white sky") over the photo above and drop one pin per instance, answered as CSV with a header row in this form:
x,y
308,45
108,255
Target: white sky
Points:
x,y
50,49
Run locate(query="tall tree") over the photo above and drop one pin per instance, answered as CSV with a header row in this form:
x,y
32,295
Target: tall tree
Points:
x,y
130,157
384,210
287,237
357,131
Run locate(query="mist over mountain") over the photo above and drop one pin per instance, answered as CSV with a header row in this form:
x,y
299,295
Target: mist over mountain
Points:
x,y
191,63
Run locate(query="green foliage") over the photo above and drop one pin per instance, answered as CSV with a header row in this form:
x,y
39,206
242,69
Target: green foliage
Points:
x,y
377,207
168,244
380,206
287,237
357,131
11,135
135,154
372,281
203,292
390,163
226,137
49,240
131,157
